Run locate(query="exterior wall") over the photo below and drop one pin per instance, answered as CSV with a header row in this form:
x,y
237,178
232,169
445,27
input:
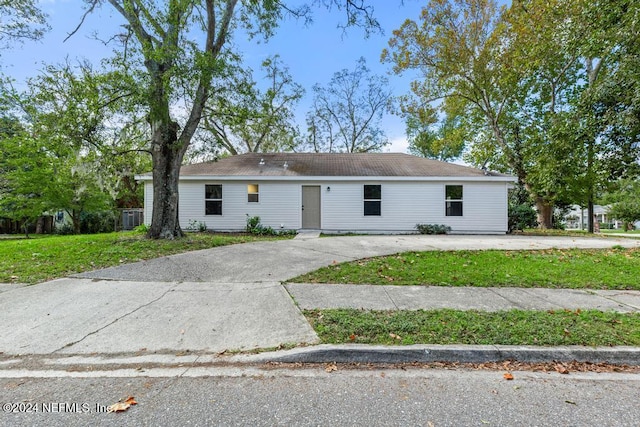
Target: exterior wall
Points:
x,y
278,206
404,204
148,202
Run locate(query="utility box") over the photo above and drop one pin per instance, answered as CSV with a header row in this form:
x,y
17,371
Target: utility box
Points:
x,y
131,218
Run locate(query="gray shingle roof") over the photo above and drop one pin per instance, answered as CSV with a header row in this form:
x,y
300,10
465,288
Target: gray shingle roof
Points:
x,y
334,164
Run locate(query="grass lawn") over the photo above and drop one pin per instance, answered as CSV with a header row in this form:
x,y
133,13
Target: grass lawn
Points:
x,y
573,268
515,327
621,231
48,257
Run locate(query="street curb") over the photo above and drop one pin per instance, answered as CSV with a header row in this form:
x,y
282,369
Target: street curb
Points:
x,y
354,353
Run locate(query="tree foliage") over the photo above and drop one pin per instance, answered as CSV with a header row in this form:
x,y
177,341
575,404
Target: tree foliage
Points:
x,y
74,150
625,202
240,117
523,81
180,48
21,19
345,115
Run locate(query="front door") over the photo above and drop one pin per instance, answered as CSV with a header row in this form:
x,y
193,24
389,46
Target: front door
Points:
x,y
311,206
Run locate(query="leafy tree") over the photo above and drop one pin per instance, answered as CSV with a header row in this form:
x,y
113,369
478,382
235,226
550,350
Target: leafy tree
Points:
x,y
21,19
180,47
345,116
25,206
446,143
521,79
242,118
521,212
625,202
469,74
95,113
75,151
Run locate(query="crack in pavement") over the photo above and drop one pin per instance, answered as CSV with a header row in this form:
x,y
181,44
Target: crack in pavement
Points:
x,y
509,300
116,319
612,298
390,298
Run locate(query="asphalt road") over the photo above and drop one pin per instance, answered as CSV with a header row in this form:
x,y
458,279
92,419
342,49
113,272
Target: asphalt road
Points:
x,y
315,397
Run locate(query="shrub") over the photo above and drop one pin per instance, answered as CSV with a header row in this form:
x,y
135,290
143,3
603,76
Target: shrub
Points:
x,y
522,216
254,227
97,222
433,228
142,229
197,226
64,230
253,223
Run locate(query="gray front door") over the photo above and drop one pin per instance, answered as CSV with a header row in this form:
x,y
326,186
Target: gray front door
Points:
x,y
311,206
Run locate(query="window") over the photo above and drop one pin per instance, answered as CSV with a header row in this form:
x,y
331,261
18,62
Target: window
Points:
x,y
213,199
372,199
453,200
253,193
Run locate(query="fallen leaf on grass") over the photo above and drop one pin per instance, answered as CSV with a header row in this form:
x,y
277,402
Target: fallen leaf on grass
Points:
x,y
394,336
352,337
122,405
508,376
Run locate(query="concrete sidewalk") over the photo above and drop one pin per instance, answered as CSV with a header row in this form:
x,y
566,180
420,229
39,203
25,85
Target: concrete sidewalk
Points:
x,y
232,297
373,297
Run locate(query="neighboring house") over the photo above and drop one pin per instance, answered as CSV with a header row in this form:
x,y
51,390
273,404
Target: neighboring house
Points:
x,y
339,193
577,218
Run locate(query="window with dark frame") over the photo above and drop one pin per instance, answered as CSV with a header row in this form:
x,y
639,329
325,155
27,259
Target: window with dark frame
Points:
x,y
213,199
453,200
253,193
372,200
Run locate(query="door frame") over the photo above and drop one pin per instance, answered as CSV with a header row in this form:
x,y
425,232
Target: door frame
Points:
x,y
319,200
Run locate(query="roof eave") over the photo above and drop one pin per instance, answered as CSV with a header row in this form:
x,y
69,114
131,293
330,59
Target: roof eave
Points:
x,y
486,178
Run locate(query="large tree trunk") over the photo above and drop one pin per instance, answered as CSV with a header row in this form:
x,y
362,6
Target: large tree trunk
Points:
x,y
167,156
545,213
75,219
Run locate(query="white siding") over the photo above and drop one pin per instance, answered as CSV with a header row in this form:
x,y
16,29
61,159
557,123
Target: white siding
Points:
x,y
404,204
148,202
279,205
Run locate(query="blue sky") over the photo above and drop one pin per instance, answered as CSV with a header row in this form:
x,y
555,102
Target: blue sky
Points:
x,y
312,53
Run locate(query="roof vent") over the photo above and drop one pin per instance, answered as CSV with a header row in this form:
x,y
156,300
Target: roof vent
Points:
x,y
285,166
261,162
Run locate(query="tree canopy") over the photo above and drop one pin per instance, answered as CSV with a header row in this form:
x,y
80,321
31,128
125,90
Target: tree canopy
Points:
x,y
345,115
522,82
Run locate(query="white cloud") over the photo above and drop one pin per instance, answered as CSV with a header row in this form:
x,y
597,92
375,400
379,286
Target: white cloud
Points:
x,y
398,145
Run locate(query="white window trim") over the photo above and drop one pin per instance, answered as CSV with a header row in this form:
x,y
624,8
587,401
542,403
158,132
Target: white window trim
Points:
x,y
453,200
213,200
371,200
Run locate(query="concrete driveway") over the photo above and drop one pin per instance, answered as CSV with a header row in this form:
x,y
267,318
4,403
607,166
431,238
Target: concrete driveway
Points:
x,y
283,259
206,301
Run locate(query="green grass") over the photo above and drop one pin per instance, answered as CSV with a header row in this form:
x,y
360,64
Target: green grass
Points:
x,y
515,327
621,231
44,258
616,268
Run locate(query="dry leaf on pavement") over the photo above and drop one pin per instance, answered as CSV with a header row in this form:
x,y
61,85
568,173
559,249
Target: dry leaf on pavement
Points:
x,y
122,405
330,368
